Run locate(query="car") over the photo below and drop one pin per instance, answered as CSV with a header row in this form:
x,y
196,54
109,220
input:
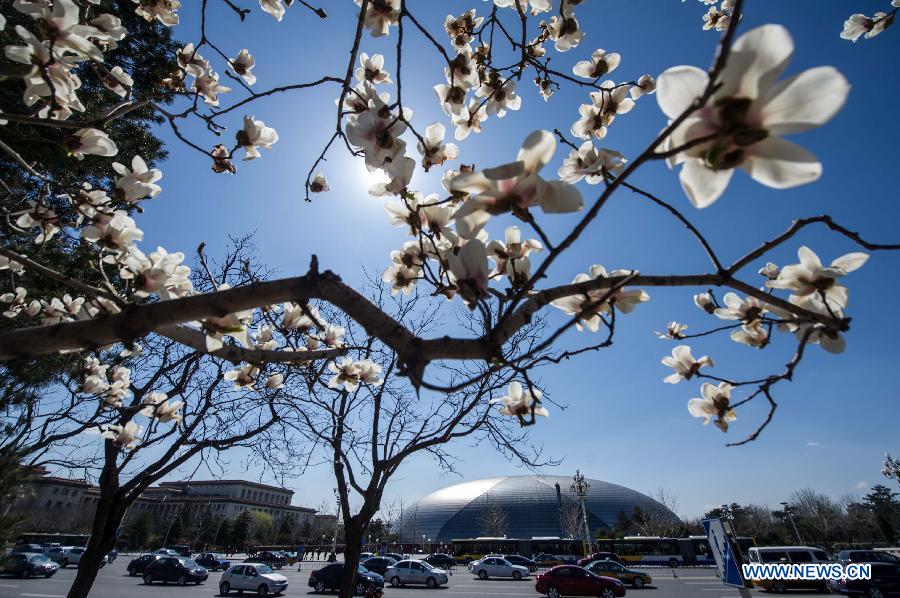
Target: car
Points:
x,y
518,559
867,556
885,581
395,555
181,550
253,577
166,552
365,555
273,559
637,579
788,554
600,556
213,561
572,580
378,564
71,555
439,559
29,548
331,576
55,553
28,564
178,569
547,560
496,566
415,572
137,565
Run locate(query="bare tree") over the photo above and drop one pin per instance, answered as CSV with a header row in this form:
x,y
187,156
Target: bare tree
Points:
x,y
572,520
817,511
493,520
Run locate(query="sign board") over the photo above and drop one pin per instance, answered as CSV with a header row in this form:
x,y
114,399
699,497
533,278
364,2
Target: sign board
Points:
x,y
724,551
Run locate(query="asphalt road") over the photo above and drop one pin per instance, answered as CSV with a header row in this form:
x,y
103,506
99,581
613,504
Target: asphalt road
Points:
x,y
114,582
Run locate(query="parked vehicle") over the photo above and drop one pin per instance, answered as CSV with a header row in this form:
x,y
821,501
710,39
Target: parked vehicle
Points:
x,y
600,556
788,554
444,561
29,548
415,573
71,555
55,553
213,561
331,576
137,565
867,556
547,560
181,550
571,580
378,564
180,570
252,577
270,558
637,579
395,555
497,567
166,552
885,581
365,555
28,564
518,559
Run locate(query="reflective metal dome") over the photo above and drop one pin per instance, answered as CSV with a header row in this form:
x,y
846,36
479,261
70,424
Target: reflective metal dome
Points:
x,y
529,503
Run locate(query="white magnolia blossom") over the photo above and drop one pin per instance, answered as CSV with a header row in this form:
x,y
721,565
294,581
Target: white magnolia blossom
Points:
x,y
242,64
600,64
810,280
400,171
42,217
462,72
234,325
402,278
319,184
705,302
207,85
684,364
90,141
275,381
499,94
254,135
377,132
137,183
16,304
564,31
350,374
159,273
461,28
587,307
716,19
190,60
469,120
747,115
117,81
591,164
380,15
157,405
645,85
372,69
537,6
514,187
521,402
333,336
674,331
714,406
749,310
434,151
59,310
753,334
125,437
511,257
243,376
296,318
274,8
859,24
10,264
597,116
162,10
117,233
469,271
770,271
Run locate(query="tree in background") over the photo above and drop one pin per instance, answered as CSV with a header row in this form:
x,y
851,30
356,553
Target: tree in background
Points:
x,y
493,520
240,534
262,528
883,504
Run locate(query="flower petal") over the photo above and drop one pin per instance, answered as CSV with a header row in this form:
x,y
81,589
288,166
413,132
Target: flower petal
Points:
x,y
756,61
804,101
703,185
537,150
781,164
558,197
677,87
850,261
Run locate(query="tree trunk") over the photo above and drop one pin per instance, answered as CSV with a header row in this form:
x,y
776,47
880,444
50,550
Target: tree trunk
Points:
x,y
353,533
110,510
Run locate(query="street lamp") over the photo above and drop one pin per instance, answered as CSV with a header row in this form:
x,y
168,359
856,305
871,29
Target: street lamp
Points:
x,y
789,510
580,487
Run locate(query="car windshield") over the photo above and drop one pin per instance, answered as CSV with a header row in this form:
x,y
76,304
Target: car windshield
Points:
x,y
426,565
263,569
39,558
361,569
189,562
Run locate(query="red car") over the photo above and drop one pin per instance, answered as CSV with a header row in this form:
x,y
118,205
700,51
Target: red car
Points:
x,y
570,580
601,556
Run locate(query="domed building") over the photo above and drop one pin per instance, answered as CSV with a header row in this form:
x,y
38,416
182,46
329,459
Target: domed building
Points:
x,y
530,507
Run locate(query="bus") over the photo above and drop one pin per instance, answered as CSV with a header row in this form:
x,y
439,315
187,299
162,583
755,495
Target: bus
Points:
x,y
472,549
48,539
568,549
674,552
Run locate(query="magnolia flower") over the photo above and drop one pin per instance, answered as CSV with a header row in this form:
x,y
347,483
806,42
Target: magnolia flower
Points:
x,y
275,381
588,306
536,5
400,171
190,60
512,256
116,234
501,95
591,164
17,304
90,141
770,271
752,334
747,114
545,87
157,406
521,403
401,278
242,64
42,217
463,70
434,151
350,374
469,268
514,187
125,437
378,132
716,19
859,24
564,31
601,63
597,116
244,376
380,15
255,134
461,28
674,331
333,336
207,85
160,272
684,364
748,310
234,325
162,10
646,84
372,69
95,384
117,81
714,404
469,120
296,318
10,264
810,279
319,184
453,99
705,302
60,310
137,183
273,7
222,160
369,372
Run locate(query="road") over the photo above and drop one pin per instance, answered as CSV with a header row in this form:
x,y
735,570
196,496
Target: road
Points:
x,y
114,582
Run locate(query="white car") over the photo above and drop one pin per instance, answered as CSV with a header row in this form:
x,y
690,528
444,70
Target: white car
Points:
x,y
497,567
71,555
252,577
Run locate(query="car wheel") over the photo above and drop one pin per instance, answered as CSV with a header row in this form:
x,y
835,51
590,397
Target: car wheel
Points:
x,y
875,593
779,588
262,590
360,588
224,588
319,587
552,592
607,593
482,574
395,582
65,563
26,573
517,576
431,583
148,579
182,580
637,583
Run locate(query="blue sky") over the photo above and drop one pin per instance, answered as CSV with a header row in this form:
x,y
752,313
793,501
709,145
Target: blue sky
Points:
x,y
621,423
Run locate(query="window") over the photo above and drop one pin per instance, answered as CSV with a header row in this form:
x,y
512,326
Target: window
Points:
x,y
800,556
773,556
820,555
403,565
564,572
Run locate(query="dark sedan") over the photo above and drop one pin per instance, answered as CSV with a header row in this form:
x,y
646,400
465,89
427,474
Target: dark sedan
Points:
x,y
137,565
180,570
570,580
270,558
600,556
885,581
28,564
378,564
517,559
331,576
440,560
213,561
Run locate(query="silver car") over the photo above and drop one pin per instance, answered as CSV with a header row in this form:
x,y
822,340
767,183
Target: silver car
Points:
x,y
71,555
415,572
252,577
497,567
